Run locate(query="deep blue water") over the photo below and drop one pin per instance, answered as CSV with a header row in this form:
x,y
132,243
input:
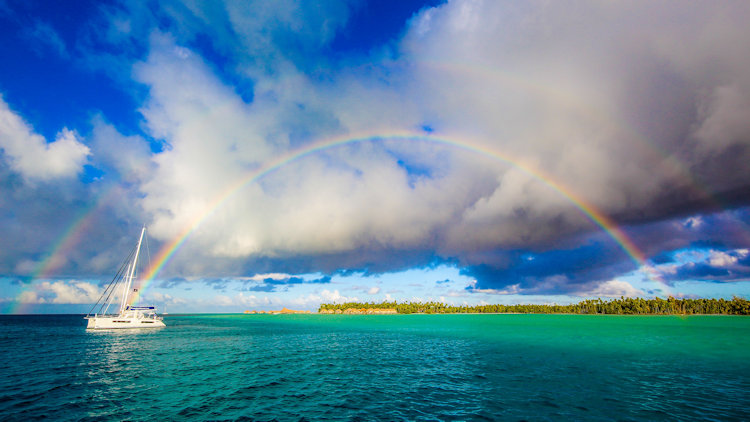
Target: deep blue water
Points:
x,y
400,367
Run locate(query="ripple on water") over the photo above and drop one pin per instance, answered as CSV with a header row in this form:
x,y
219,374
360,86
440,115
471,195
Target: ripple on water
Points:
x,y
390,368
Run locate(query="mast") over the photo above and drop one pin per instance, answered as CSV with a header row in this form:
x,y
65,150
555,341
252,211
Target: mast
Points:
x,y
131,274
125,288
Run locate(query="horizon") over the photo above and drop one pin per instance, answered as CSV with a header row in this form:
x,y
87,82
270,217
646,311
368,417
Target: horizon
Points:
x,y
397,303
448,151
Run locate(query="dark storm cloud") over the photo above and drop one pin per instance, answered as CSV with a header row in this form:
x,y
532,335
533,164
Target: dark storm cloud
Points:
x,y
552,272
707,272
726,233
722,230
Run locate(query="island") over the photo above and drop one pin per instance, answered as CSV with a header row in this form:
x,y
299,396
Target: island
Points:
x,y
366,310
621,306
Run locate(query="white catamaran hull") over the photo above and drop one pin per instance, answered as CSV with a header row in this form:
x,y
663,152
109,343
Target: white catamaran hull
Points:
x,y
115,322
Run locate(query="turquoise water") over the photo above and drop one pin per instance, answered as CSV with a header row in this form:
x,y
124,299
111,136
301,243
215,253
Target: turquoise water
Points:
x,y
399,367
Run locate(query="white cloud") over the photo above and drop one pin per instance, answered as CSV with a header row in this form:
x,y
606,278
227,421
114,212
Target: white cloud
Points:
x,y
61,292
223,300
240,300
273,276
215,140
165,298
612,288
72,292
509,290
726,259
335,297
30,155
374,290
693,222
129,156
29,296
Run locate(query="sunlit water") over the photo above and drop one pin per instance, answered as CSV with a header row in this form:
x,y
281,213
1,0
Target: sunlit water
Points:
x,y
399,367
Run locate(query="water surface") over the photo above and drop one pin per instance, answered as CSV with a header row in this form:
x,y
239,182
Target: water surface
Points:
x,y
379,367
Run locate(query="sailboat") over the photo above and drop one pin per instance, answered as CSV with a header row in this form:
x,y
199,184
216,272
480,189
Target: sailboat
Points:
x,y
128,316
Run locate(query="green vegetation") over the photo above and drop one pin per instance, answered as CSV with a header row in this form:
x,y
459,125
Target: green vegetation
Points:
x,y
622,306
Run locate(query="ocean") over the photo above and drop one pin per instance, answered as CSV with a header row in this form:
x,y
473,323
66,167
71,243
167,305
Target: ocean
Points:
x,y
378,367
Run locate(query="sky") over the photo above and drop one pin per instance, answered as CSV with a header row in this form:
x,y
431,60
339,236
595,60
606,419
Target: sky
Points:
x,y
288,154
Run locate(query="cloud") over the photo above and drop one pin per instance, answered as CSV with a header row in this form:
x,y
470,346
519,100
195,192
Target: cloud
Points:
x,y
612,288
273,281
61,292
724,122
127,158
313,300
562,270
238,300
335,297
272,223
165,298
30,155
542,84
712,265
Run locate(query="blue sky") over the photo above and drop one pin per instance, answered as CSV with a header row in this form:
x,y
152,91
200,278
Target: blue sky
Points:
x,y
501,153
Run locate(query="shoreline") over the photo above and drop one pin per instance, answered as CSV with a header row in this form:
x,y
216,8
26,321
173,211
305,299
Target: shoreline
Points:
x,y
621,306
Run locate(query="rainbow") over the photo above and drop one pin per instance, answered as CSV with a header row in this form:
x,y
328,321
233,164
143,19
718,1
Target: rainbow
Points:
x,y
590,211
69,238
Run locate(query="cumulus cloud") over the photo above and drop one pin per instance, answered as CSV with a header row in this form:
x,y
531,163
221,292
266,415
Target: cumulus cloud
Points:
x,y
245,300
313,300
364,198
612,288
127,157
335,297
159,297
29,154
712,265
61,292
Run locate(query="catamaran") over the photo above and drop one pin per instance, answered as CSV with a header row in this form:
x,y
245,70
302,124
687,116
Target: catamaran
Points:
x,y
128,316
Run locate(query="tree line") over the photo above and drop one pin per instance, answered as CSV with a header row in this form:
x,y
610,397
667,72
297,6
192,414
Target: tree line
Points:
x,y
621,306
